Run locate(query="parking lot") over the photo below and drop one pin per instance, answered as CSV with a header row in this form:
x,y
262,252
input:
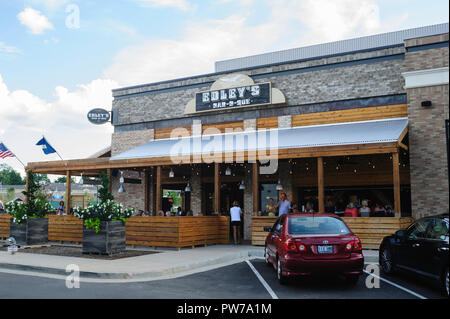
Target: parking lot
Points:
x,y
246,280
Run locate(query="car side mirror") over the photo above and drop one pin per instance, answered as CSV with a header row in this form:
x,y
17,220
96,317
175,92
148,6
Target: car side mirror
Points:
x,y
267,228
400,233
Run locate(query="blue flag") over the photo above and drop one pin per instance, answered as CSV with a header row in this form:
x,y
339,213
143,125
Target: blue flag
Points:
x,y
46,147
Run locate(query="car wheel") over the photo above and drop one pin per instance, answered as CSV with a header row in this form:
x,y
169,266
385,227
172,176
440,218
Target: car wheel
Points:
x,y
445,283
352,280
281,278
385,261
266,256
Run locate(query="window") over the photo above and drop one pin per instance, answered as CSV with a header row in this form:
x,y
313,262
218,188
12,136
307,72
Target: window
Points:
x,y
437,229
316,225
278,227
419,229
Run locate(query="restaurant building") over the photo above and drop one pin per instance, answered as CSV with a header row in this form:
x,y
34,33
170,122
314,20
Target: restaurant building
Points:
x,y
329,124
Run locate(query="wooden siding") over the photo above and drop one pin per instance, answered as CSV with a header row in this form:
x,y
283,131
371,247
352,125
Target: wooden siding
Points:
x,y
371,230
146,231
258,233
4,225
352,115
161,133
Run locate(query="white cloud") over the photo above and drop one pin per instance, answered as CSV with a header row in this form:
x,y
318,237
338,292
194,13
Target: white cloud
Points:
x,y
9,49
178,4
26,117
202,44
34,20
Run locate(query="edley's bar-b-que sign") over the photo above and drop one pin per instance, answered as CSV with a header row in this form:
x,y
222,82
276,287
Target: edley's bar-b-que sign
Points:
x,y
98,116
256,94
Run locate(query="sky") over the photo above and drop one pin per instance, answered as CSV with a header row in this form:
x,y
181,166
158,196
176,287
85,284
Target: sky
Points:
x,y
61,58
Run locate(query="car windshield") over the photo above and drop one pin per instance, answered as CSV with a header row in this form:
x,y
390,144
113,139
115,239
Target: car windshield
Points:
x,y
316,226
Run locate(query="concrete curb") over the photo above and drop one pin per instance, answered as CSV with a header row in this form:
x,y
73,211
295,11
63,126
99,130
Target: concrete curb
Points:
x,y
170,271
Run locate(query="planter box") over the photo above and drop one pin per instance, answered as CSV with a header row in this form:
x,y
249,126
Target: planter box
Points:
x,y
33,232
109,240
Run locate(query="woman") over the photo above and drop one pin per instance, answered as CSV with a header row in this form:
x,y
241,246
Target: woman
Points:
x,y
309,208
364,211
236,213
61,210
351,210
271,208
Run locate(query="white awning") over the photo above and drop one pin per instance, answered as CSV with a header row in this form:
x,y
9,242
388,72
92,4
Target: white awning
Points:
x,y
366,132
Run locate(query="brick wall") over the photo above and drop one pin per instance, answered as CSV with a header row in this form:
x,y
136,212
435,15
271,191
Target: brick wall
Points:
x,y
361,80
427,140
121,142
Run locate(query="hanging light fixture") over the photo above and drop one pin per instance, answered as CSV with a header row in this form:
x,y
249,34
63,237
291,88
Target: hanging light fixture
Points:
x,y
121,180
228,171
188,188
242,186
279,186
171,174
81,180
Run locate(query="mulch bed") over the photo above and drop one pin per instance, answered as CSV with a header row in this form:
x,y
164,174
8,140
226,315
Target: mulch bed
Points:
x,y
77,252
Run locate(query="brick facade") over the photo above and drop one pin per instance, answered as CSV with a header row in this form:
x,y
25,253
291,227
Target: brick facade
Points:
x,y
427,139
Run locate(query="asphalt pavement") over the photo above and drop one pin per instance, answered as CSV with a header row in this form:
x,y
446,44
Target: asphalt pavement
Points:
x,y
250,279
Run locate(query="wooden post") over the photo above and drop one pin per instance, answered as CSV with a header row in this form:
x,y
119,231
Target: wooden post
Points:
x,y
146,194
108,172
217,189
68,192
27,176
396,172
158,196
320,184
255,187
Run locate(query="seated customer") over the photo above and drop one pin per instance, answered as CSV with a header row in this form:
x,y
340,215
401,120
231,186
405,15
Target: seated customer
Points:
x,y
379,210
309,208
351,210
364,211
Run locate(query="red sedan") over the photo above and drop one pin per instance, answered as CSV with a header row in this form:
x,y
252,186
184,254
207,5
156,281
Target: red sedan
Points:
x,y
305,244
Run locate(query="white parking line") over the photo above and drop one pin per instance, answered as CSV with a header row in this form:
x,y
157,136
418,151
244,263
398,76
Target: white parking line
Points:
x,y
397,286
261,279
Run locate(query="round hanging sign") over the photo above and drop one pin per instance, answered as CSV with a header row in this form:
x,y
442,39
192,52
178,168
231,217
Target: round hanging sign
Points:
x,y
98,116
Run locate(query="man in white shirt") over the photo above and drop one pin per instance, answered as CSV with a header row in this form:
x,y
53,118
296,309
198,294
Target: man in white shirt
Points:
x,y
235,214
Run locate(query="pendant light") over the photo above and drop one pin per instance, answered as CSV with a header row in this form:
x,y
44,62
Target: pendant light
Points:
x,y
242,186
121,180
81,180
279,186
171,174
188,188
228,171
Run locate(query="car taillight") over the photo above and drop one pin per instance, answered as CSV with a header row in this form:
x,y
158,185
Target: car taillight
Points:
x,y
357,245
290,245
354,245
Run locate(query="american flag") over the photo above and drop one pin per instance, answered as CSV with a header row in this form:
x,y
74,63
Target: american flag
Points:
x,y
5,152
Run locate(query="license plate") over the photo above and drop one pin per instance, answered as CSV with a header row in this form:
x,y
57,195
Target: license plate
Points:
x,y
13,249
325,249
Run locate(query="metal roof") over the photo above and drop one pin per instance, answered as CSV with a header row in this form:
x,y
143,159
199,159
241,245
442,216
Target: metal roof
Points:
x,y
377,131
333,48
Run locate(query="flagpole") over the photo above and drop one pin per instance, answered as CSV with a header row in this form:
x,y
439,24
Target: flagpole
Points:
x,y
15,155
53,148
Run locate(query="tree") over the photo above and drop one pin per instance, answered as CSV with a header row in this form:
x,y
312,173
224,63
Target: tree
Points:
x,y
41,178
8,176
103,192
63,179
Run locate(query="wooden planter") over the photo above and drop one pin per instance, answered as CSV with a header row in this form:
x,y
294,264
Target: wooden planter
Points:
x,y
33,232
109,240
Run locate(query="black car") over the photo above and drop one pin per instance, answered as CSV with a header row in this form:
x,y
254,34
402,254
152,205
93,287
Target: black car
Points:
x,y
421,248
